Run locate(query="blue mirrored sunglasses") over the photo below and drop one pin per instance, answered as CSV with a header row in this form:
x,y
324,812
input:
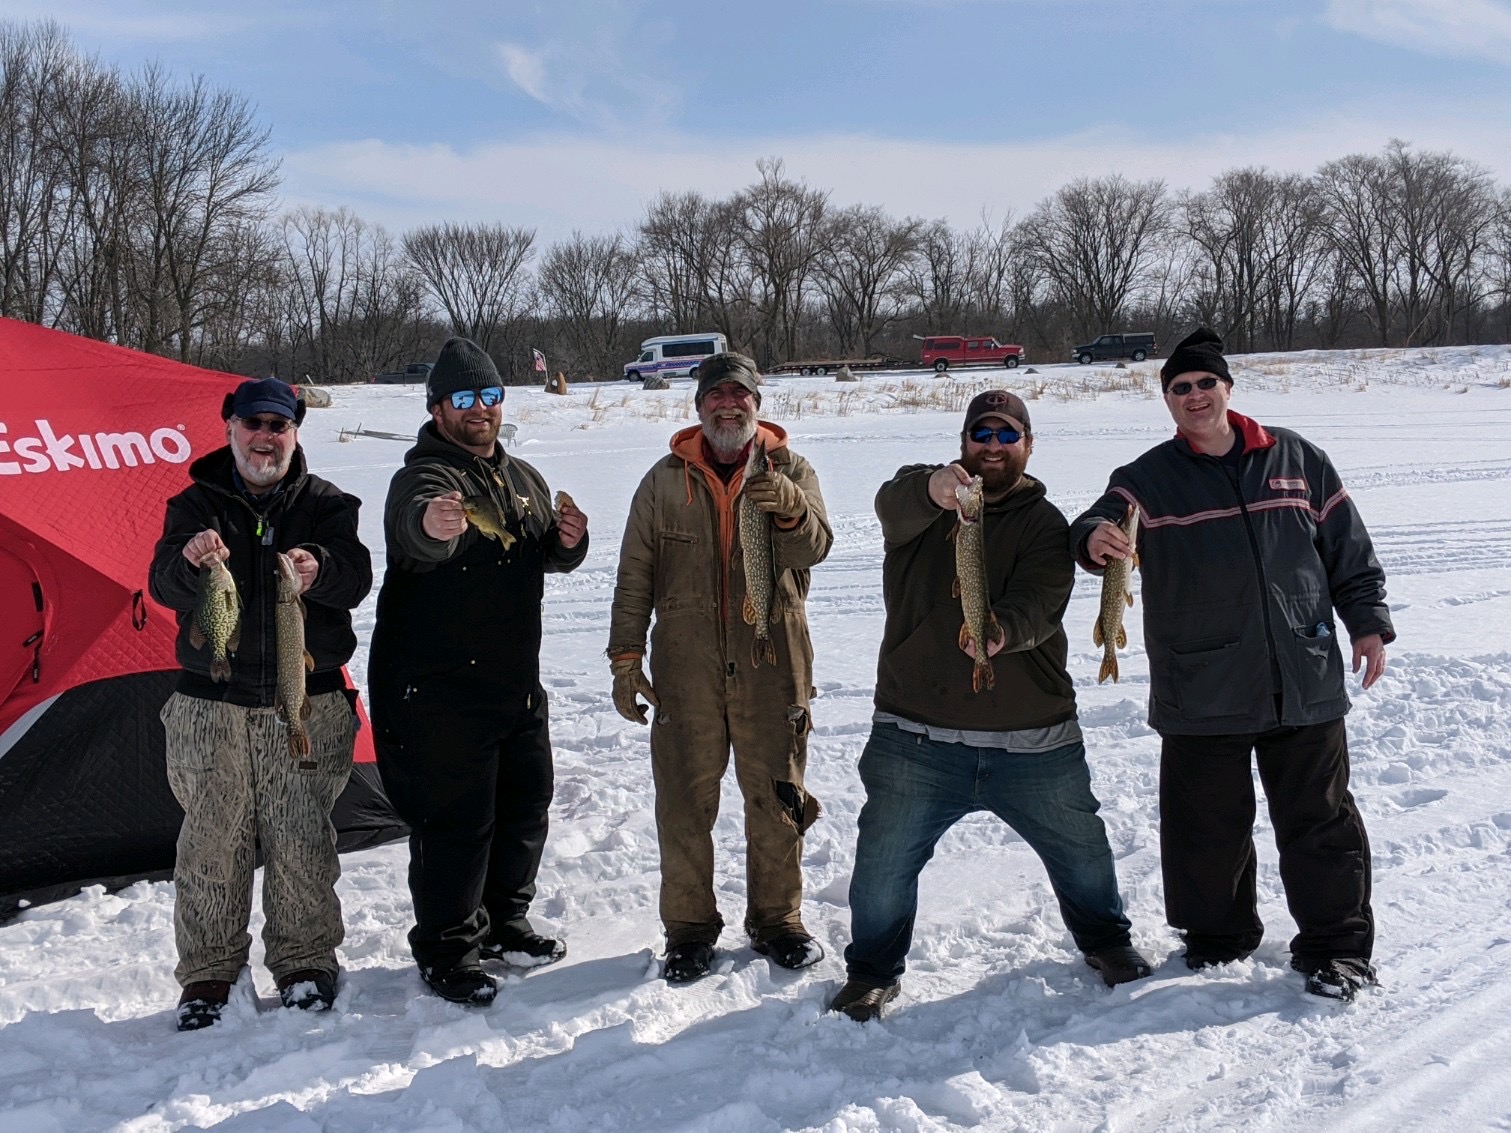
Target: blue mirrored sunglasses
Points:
x,y
467,398
1005,436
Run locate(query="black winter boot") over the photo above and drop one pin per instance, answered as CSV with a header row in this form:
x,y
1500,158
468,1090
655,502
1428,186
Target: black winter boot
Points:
x,y
688,962
466,984
793,950
201,1004
522,947
308,990
1340,977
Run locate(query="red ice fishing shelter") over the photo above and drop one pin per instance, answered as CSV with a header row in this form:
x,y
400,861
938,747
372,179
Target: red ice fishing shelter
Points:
x,y
94,438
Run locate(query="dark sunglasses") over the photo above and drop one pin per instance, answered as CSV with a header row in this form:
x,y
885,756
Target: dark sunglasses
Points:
x,y
1180,389
467,398
1005,436
275,425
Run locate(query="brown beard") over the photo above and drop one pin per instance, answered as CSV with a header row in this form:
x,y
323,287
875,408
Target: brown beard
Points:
x,y
999,480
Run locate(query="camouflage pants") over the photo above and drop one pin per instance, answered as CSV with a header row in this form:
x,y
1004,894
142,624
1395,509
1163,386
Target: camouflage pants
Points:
x,y
231,771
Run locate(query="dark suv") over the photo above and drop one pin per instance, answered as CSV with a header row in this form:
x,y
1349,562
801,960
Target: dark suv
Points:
x,y
1134,347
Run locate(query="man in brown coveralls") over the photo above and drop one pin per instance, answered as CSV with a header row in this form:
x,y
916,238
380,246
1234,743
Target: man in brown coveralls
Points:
x,y
681,560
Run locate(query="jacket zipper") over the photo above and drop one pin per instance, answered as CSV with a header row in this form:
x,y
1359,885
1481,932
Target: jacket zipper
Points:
x,y
1264,586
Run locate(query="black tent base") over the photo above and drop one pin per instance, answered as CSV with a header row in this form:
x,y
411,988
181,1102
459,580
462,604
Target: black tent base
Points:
x,y
84,797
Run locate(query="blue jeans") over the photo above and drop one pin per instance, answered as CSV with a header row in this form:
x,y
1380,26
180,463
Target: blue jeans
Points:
x,y
917,788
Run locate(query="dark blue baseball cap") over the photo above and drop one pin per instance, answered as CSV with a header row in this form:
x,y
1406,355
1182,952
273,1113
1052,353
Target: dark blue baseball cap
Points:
x,y
264,395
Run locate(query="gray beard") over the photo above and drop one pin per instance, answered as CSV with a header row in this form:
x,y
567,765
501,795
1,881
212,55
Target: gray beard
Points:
x,y
728,441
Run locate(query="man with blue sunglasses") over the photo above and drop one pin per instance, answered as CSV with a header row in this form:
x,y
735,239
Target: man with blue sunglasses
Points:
x,y
459,715
1248,543
940,750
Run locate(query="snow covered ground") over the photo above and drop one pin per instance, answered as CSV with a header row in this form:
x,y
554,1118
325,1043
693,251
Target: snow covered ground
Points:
x,y
1000,1026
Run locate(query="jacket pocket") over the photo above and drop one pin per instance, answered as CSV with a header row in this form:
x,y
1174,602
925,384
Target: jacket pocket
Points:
x,y
1208,682
1319,663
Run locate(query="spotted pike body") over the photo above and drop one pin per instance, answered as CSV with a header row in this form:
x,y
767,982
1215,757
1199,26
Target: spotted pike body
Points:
x,y
980,625
217,617
1117,595
294,661
760,581
484,514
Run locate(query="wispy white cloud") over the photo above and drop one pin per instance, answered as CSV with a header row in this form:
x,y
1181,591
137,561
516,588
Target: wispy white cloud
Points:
x,y
558,183
1476,29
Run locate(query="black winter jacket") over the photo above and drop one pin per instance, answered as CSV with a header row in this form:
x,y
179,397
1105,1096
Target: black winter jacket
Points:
x,y
1239,584
923,674
305,512
459,622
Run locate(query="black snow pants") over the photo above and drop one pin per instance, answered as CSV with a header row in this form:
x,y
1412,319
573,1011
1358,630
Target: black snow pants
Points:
x,y
475,788
1207,808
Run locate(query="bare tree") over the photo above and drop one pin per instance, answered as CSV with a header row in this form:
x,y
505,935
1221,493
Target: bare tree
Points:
x,y
861,276
589,284
780,228
1091,242
1412,228
35,65
938,278
355,302
475,272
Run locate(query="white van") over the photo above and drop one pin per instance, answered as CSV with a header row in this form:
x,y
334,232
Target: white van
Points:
x,y
674,355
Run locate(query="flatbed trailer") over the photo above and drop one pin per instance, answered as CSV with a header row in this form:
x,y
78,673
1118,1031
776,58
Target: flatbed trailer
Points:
x,y
833,365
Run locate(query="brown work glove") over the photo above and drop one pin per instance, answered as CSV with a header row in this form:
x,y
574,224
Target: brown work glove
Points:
x,y
629,679
772,492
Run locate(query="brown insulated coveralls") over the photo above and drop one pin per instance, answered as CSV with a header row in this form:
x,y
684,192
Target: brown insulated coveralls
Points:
x,y
681,560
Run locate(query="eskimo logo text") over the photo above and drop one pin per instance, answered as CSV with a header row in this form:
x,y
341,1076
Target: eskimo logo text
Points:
x,y
49,452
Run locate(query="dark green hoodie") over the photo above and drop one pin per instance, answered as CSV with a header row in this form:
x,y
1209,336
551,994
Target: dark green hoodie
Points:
x,y
923,674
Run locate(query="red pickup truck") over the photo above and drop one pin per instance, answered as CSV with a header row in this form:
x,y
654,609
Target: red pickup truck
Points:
x,y
944,351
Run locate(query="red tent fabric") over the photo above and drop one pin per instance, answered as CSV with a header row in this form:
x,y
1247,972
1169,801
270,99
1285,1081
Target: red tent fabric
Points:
x,y
94,438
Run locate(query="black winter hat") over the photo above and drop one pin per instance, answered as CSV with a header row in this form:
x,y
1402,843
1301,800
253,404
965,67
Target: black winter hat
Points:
x,y
462,364
730,366
263,395
1199,350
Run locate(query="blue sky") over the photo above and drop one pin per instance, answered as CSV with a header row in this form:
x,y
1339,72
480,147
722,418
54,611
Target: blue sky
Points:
x,y
572,114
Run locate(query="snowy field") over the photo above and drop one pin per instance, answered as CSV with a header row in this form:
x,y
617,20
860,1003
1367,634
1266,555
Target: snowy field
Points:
x,y
1000,1026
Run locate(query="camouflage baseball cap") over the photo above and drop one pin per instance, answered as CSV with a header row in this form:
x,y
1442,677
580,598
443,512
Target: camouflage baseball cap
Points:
x,y
729,366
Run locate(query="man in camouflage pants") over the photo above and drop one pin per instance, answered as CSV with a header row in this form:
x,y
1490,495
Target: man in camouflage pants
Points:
x,y
229,759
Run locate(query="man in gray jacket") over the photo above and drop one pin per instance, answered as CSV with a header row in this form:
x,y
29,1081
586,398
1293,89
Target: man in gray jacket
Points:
x,y
1248,543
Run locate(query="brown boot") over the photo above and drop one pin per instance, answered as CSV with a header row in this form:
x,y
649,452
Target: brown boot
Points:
x,y
863,1001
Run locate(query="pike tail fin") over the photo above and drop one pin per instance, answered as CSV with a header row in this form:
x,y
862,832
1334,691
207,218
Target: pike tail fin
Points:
x,y
762,649
1109,667
220,669
299,743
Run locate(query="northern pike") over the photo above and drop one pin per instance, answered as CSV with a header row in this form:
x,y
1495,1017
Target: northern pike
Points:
x,y
293,659
980,626
760,582
484,513
217,617
1117,593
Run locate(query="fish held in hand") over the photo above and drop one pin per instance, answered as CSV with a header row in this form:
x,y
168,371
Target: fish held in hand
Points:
x,y
484,513
1117,594
760,580
217,617
980,627
290,700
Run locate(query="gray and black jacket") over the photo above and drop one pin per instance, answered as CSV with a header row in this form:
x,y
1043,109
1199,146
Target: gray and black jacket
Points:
x,y
1239,582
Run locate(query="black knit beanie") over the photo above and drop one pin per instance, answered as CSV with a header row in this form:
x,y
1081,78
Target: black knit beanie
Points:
x,y
1201,350
462,364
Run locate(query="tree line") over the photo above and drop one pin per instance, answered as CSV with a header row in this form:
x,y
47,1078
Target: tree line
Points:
x,y
142,209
